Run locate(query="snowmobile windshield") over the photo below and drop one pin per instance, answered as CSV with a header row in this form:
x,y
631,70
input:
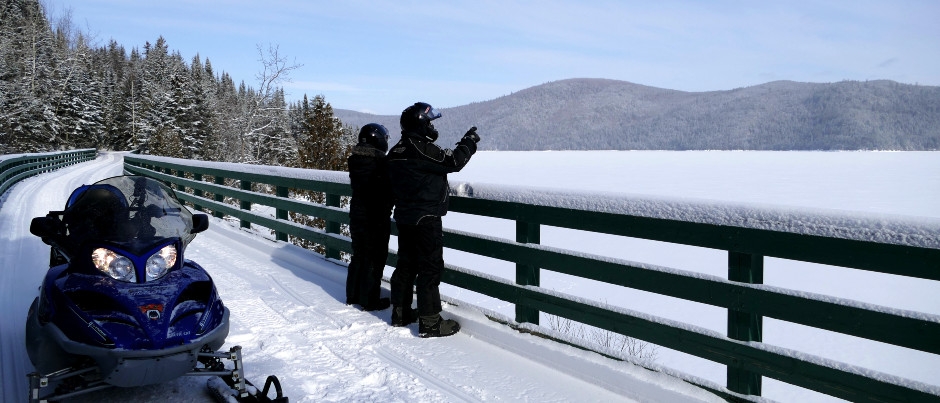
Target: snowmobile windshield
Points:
x,y
133,212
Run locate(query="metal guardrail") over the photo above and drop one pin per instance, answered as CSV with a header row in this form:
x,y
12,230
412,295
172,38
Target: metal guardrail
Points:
x,y
14,168
742,294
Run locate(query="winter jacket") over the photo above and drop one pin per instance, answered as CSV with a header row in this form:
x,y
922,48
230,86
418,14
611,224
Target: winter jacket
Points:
x,y
418,170
371,203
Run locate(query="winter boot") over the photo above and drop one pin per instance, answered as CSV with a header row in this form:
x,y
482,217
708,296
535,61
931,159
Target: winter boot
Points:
x,y
403,316
436,326
379,305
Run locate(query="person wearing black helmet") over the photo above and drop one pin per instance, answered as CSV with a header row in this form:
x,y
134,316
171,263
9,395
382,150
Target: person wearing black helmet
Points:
x,y
369,222
418,171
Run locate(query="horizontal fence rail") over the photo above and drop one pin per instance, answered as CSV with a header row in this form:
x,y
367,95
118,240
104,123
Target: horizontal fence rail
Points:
x,y
14,168
742,294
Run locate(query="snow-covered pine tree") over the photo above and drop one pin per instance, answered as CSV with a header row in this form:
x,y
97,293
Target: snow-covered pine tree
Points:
x,y
226,140
78,100
199,115
323,144
134,106
115,70
209,86
27,53
321,147
182,107
154,114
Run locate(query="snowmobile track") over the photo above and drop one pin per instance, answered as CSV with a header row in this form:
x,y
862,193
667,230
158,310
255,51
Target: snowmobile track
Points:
x,y
451,392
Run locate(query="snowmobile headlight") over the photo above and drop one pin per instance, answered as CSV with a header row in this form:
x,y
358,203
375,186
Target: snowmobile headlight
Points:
x,y
114,265
159,263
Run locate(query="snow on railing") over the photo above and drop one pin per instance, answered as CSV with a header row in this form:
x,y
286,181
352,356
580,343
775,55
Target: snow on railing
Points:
x,y
16,167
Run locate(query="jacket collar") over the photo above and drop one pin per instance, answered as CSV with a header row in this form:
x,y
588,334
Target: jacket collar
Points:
x,y
415,136
367,151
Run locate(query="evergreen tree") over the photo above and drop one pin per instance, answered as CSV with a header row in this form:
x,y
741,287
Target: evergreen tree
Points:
x,y
183,109
133,104
79,100
179,122
199,116
226,141
207,90
324,144
115,118
28,122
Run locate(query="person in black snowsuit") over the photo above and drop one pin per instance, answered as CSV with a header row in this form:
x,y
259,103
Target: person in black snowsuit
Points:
x,y
418,171
369,222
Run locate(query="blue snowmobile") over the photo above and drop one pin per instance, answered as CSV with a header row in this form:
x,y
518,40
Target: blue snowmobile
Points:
x,y
120,305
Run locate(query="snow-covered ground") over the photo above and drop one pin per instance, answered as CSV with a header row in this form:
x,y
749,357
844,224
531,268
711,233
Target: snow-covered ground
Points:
x,y
288,316
327,351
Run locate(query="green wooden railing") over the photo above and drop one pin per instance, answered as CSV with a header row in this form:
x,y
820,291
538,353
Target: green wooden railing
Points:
x,y
747,301
14,168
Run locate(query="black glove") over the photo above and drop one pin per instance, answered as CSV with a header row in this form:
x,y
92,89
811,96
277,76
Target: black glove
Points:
x,y
472,135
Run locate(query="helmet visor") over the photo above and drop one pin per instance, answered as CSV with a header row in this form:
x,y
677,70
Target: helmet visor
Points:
x,y
433,113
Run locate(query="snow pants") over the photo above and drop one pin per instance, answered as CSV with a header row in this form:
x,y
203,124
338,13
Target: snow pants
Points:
x,y
420,263
370,251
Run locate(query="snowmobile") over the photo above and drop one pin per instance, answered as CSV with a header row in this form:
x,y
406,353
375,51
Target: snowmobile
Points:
x,y
121,306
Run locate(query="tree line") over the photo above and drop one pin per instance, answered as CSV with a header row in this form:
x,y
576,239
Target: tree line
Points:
x,y
59,91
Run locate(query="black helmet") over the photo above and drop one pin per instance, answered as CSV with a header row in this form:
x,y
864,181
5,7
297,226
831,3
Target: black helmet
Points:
x,y
417,118
375,135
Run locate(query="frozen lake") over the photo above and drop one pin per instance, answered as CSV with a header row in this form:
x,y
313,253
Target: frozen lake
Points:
x,y
865,183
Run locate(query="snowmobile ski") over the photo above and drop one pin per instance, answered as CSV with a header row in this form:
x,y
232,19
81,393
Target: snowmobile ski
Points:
x,y
225,390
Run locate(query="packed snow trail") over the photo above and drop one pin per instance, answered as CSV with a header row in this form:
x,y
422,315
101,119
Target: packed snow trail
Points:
x,y
287,314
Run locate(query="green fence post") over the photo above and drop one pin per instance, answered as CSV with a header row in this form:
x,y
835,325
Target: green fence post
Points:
x,y
219,180
245,205
525,274
332,227
744,326
167,171
180,174
197,192
281,214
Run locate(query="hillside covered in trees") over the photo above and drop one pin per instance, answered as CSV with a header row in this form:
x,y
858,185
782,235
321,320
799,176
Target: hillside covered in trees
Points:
x,y
599,114
58,91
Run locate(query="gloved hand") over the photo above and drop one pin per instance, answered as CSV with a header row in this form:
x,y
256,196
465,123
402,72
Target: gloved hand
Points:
x,y
472,135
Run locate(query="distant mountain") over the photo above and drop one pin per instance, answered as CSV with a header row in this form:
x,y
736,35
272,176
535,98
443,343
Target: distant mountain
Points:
x,y
600,114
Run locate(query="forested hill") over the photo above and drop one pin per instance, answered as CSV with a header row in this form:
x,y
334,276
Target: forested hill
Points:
x,y
599,114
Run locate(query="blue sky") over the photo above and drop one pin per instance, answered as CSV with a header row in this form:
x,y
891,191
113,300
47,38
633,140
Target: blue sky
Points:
x,y
380,57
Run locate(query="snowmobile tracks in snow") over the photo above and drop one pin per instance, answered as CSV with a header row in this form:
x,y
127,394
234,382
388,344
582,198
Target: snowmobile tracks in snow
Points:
x,y
452,393
297,296
293,294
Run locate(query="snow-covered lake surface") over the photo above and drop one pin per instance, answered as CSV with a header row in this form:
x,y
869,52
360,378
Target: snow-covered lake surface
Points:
x,y
287,316
899,186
